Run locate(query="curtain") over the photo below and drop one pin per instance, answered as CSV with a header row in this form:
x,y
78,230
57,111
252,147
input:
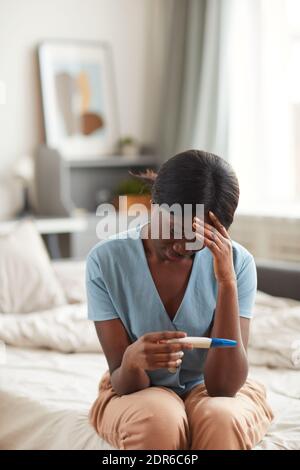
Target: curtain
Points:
x,y
194,108
260,129
227,92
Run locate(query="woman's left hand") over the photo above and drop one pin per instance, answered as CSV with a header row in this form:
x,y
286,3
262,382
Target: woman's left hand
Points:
x,y
217,240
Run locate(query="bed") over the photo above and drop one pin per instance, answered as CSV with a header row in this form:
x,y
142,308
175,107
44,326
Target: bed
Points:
x,y
47,383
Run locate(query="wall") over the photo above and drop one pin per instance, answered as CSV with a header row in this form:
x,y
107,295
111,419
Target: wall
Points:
x,y
136,31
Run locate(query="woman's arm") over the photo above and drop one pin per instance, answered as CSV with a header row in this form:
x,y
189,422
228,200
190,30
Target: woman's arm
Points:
x,y
225,369
128,362
125,378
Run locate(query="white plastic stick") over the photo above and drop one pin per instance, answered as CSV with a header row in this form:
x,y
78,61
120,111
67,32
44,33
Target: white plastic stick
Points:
x,y
197,342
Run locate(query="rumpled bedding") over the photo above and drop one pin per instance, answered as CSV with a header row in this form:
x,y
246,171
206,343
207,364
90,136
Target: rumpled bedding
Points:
x,y
275,332
65,329
274,339
45,397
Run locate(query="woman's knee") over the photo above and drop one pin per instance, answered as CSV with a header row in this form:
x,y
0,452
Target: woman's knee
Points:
x,y
217,412
216,425
161,425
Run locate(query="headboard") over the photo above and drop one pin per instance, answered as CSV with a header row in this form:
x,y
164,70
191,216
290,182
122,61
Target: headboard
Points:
x,y
279,278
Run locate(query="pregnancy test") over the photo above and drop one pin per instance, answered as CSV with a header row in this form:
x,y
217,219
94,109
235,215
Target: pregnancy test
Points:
x,y
202,342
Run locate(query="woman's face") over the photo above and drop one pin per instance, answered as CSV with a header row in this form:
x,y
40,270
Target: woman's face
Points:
x,y
173,238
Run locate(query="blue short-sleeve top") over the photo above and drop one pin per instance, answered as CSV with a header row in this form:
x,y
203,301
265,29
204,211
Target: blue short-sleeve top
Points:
x,y
120,286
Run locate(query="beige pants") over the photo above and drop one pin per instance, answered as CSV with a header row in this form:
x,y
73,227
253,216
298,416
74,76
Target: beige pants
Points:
x,y
157,418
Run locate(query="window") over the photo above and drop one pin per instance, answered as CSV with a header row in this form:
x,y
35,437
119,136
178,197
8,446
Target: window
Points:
x,y
264,103
293,14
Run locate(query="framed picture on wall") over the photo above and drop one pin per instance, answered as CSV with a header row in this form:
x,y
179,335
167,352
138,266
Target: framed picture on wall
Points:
x,y
79,98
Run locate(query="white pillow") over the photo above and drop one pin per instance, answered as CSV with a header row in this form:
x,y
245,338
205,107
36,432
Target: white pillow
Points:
x,y
27,280
71,277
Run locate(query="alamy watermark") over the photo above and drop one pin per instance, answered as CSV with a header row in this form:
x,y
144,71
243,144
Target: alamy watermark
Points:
x,y
167,222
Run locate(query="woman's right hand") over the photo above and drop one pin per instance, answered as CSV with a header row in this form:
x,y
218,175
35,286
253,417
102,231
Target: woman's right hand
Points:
x,y
151,352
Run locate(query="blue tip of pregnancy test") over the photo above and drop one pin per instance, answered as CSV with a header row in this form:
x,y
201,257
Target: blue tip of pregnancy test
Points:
x,y
222,343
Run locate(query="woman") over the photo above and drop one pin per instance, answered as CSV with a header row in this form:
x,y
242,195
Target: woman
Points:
x,y
143,291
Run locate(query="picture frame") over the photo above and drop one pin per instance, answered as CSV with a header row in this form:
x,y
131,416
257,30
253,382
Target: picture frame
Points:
x,y
78,97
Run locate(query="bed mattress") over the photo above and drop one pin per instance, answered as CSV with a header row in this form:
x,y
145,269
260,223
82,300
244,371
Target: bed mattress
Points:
x,y
45,397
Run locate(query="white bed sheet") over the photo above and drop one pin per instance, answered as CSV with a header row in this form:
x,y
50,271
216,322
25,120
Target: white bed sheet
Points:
x,y
45,397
